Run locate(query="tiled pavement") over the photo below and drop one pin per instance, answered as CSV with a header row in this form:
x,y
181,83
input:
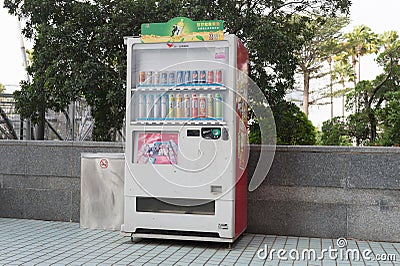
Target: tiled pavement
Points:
x,y
30,242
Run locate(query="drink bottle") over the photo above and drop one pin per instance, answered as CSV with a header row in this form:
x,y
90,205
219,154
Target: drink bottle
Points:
x,y
156,106
149,105
210,77
195,76
171,78
195,106
202,106
142,106
210,105
164,106
186,105
178,106
218,106
218,76
171,106
203,76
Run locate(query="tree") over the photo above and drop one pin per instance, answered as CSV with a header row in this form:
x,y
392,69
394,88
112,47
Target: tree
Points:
x,y
292,126
390,120
335,132
2,88
343,72
359,42
317,49
371,96
79,51
376,118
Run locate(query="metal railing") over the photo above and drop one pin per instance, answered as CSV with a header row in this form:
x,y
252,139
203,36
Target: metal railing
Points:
x,y
74,123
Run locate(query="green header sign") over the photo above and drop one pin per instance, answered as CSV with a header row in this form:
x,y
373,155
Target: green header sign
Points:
x,y
181,29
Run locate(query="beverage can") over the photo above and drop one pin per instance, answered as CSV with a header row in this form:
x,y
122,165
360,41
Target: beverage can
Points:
x,y
218,106
171,78
210,105
149,105
178,106
195,106
202,106
203,76
142,106
156,78
210,77
180,77
164,105
186,105
142,77
188,77
164,78
218,76
156,107
171,106
195,76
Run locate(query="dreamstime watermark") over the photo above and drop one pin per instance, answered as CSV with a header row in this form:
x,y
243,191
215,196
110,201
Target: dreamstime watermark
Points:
x,y
338,253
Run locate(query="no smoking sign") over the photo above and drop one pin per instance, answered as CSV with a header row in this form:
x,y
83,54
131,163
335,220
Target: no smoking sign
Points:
x,y
104,163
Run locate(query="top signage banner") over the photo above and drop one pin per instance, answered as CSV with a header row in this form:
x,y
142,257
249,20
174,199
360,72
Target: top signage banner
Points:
x,y
181,29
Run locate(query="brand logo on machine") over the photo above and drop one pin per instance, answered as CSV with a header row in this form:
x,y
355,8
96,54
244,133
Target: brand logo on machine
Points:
x,y
172,45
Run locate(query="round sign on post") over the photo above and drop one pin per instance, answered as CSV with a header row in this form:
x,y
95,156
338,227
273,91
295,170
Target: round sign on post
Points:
x,y
104,163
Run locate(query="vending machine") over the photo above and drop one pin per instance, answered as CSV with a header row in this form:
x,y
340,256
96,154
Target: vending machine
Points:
x,y
186,132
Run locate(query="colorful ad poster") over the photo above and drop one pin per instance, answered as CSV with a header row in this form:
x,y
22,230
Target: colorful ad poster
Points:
x,y
157,148
182,29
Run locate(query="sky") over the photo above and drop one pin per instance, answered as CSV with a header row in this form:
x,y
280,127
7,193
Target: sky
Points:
x,y
379,15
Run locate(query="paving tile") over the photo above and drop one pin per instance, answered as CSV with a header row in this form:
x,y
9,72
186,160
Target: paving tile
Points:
x,y
33,242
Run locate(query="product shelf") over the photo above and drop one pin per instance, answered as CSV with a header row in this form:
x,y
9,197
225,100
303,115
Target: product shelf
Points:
x,y
204,87
179,121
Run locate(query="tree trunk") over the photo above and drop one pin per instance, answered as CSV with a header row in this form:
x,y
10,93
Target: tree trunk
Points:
x,y
306,92
331,103
343,97
372,121
354,63
41,124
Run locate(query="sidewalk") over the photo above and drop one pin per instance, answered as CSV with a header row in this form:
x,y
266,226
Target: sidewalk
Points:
x,y
31,242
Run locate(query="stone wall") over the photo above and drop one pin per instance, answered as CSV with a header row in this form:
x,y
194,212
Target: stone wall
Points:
x,y
41,180
310,191
329,192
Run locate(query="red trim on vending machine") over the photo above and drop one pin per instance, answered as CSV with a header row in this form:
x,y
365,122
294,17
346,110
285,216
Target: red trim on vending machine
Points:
x,y
241,140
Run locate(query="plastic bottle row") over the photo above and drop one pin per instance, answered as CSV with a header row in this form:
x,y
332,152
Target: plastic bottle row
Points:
x,y
181,77
177,106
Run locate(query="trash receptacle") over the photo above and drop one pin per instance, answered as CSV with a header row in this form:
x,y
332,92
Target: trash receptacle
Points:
x,y
102,190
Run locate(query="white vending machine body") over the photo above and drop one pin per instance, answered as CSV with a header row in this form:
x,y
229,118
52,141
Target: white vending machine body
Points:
x,y
186,140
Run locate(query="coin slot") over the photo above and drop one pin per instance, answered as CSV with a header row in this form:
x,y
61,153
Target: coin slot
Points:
x,y
216,189
193,133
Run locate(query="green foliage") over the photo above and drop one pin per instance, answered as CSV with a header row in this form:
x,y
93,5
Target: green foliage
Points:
x,y
389,118
2,88
79,50
254,133
292,126
335,133
362,40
